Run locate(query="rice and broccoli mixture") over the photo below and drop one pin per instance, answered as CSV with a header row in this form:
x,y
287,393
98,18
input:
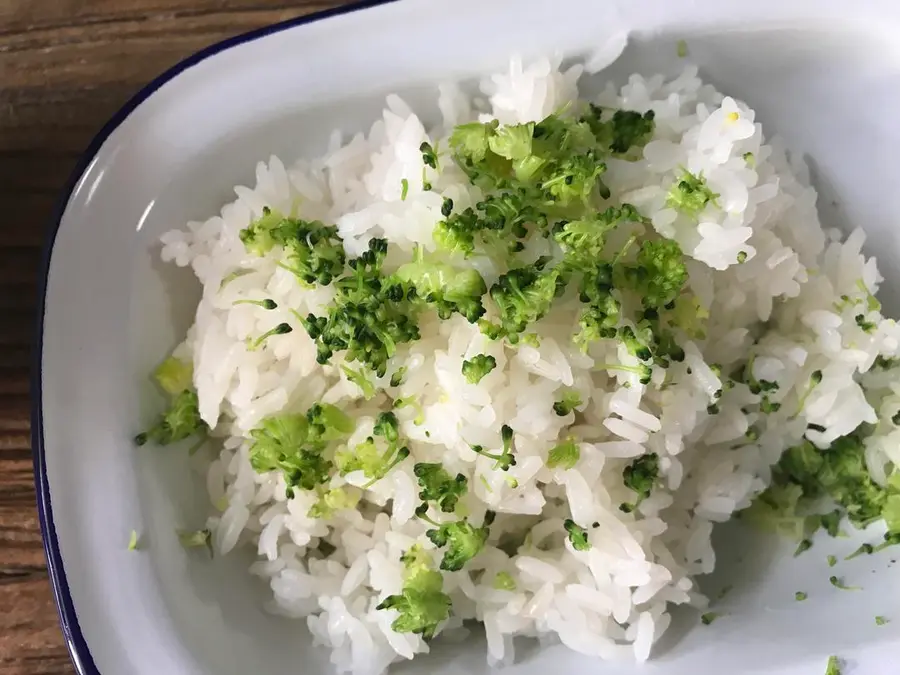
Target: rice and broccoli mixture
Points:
x,y
514,367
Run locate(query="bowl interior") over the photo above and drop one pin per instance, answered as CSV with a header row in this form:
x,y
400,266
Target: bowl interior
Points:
x,y
113,311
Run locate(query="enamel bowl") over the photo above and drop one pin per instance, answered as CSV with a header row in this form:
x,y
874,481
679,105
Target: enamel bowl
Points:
x,y
822,74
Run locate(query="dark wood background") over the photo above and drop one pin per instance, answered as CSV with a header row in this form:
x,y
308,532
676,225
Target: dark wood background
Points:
x,y
65,67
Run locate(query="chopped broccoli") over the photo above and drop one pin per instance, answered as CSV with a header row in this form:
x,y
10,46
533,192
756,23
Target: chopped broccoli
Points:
x,y
681,49
181,420
564,455
570,400
196,539
174,375
641,475
814,380
800,596
360,379
865,549
584,240
314,251
422,604
366,457
864,324
881,621
448,289
803,546
267,304
280,329
295,444
505,459
334,500
398,377
578,536
463,540
690,194
412,402
626,129
370,316
643,371
709,617
504,582
659,274
636,346
832,560
404,189
439,487
838,583
833,667
133,541
523,296
477,367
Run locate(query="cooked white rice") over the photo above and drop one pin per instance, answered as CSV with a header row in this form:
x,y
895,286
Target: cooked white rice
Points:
x,y
613,600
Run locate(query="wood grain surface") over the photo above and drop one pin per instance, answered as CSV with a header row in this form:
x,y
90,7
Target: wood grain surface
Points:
x,y
65,67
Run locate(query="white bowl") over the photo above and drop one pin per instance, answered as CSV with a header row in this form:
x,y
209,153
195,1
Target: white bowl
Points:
x,y
825,75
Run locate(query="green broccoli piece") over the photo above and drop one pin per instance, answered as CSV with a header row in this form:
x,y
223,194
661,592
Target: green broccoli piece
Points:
x,y
864,324
643,371
267,304
574,180
584,241
833,667
578,536
334,500
832,560
524,295
180,421
565,455
429,155
370,316
881,621
295,444
448,289
635,345
422,604
640,476
315,252
691,194
505,459
570,400
174,375
477,367
196,539
708,618
358,377
463,540
367,458
800,596
280,329
840,585
659,274
133,541
398,377
439,487
504,582
626,129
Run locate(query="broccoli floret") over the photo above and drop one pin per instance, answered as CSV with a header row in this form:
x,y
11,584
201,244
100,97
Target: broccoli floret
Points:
x,y
448,289
505,459
477,367
366,457
578,536
635,346
295,444
370,316
691,194
314,251
174,375
439,487
626,129
840,585
643,371
358,377
524,295
584,240
422,605
267,304
280,329
196,539
574,179
708,618
570,400
659,274
334,500
463,541
641,475
181,420
565,455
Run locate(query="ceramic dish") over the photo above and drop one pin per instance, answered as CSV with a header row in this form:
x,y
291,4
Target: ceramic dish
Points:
x,y
823,75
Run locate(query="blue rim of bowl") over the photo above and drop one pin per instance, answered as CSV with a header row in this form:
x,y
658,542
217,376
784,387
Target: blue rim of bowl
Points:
x,y
75,640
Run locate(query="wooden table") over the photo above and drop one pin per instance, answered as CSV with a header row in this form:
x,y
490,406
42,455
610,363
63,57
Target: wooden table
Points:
x,y
65,67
